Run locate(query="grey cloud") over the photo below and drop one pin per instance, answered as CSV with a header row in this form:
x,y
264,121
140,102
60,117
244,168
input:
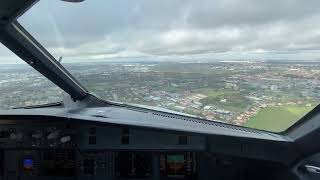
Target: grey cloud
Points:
x,y
175,27
250,12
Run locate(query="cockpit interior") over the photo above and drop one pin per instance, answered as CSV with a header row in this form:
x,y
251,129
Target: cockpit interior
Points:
x,y
87,138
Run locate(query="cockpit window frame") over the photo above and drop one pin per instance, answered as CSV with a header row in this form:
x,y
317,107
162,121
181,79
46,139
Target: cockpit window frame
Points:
x,y
22,43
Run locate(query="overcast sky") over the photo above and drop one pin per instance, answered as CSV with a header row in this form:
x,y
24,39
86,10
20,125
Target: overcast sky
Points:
x,y
176,29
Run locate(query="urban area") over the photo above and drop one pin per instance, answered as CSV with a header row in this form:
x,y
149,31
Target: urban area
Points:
x,y
268,95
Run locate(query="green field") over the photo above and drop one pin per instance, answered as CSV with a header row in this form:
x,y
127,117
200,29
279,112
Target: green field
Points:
x,y
235,102
213,92
278,118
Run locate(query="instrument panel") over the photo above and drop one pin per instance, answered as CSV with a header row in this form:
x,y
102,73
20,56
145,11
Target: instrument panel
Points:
x,y
36,136
77,149
88,136
74,164
64,150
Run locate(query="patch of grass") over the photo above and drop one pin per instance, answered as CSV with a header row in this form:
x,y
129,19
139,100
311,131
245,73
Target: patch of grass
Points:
x,y
213,92
234,102
172,89
277,119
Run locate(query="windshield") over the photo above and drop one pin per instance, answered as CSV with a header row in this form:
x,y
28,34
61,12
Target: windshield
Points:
x,y
21,86
249,63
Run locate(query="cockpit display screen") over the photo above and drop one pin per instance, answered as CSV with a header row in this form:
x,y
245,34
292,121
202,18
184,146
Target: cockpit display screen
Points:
x,y
28,164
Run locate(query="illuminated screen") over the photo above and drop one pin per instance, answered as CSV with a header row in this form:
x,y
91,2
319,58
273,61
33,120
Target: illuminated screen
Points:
x,y
28,164
175,158
176,166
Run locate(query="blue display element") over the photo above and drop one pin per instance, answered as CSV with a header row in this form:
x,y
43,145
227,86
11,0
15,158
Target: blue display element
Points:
x,y
28,163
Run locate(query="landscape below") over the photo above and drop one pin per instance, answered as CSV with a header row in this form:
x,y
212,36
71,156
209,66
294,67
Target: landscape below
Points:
x,y
266,95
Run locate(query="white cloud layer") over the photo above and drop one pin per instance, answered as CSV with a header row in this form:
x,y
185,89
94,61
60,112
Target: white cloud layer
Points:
x,y
177,29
